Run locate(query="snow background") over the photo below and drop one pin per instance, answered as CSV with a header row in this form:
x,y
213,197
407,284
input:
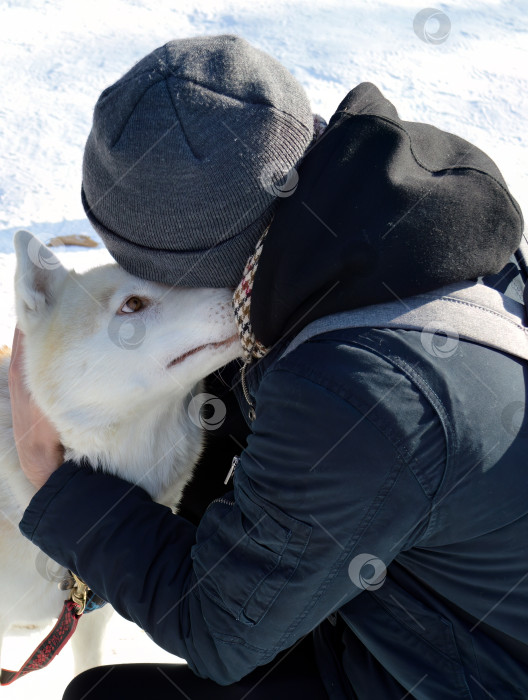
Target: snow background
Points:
x,y
56,56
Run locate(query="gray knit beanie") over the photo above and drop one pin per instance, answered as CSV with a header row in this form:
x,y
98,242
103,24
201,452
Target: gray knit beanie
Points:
x,y
187,155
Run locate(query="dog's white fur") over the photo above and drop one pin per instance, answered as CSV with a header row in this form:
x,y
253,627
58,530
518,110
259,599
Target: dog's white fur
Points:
x,y
116,382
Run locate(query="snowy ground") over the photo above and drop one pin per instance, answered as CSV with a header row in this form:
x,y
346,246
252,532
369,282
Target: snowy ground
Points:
x,y
58,55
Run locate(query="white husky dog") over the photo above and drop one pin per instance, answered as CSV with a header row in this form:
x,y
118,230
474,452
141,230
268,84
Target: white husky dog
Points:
x,y
114,362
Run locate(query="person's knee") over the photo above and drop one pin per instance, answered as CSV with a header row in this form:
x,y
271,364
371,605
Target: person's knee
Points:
x,y
83,684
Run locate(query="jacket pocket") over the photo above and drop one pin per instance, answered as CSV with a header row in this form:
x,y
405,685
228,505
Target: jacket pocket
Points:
x,y
245,554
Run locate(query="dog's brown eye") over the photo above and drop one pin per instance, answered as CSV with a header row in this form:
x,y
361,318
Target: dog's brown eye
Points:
x,y
131,305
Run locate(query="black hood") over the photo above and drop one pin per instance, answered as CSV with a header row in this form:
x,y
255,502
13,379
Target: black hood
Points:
x,y
384,208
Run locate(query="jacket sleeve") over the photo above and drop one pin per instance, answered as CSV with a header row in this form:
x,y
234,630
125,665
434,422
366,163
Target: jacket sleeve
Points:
x,y
324,487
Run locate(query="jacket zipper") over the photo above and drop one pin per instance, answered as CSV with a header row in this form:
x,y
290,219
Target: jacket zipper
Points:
x,y
251,412
232,468
221,500
230,473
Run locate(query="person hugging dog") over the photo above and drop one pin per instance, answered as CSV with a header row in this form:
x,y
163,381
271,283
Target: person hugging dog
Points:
x,y
373,539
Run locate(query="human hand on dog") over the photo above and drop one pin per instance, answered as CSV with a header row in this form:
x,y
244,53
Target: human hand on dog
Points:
x,y
37,442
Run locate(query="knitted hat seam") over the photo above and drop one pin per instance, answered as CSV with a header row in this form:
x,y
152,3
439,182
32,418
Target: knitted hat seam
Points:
x,y
180,120
268,105
161,77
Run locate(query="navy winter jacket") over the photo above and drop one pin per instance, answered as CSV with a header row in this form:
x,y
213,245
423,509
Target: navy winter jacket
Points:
x,y
366,448
381,501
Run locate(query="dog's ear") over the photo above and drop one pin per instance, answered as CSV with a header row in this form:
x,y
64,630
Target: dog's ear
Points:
x,y
39,274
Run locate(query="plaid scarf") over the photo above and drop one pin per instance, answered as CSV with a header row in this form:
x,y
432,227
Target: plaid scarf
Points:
x,y
242,296
242,306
